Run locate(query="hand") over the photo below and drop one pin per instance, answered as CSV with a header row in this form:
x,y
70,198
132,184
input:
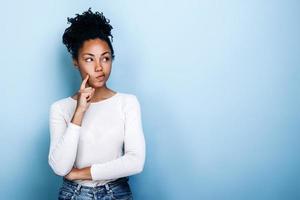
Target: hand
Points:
x,y
72,175
84,95
82,174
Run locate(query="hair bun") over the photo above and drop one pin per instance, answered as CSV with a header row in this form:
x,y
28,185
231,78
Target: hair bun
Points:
x,y
90,20
88,25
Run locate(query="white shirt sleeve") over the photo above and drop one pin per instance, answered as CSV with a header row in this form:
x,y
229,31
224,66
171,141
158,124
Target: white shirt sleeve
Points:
x,y
132,162
64,137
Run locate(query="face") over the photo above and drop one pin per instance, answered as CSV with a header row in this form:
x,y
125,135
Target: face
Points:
x,y
94,58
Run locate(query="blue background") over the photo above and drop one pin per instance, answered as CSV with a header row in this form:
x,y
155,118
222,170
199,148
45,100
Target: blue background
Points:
x,y
218,82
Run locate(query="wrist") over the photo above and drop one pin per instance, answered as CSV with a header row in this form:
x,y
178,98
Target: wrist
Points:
x,y
85,173
79,110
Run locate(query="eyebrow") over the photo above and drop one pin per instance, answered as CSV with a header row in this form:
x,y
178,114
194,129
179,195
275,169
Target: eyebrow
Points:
x,y
94,55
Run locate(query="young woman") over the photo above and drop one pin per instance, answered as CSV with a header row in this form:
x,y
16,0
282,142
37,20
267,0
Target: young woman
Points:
x,y
96,135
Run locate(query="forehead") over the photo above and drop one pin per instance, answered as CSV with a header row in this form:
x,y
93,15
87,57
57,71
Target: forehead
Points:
x,y
94,46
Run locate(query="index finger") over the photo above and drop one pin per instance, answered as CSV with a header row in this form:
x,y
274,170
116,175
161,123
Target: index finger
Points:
x,y
83,84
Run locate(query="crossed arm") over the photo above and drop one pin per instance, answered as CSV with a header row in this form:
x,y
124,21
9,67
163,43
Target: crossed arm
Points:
x,y
64,141
82,174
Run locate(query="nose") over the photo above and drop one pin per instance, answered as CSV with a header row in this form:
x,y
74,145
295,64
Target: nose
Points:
x,y
98,67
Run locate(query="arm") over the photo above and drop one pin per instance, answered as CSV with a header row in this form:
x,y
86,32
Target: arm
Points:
x,y
81,174
132,162
64,139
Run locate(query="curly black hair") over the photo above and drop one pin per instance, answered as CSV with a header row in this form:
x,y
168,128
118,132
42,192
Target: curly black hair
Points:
x,y
87,26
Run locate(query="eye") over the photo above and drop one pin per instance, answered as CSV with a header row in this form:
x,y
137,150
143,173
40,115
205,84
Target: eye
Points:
x,y
88,59
105,59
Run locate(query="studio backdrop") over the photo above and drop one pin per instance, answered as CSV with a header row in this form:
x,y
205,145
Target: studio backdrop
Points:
x,y
218,83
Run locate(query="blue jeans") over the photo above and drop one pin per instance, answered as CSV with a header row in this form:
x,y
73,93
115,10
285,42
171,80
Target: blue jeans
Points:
x,y
114,190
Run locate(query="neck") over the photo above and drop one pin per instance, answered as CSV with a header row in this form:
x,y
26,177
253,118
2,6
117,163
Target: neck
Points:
x,y
102,93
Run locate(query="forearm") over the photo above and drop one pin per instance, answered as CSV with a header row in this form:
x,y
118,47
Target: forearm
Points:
x,y
126,165
80,174
78,116
85,173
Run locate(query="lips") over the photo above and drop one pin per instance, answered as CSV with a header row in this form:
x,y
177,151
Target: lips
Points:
x,y
100,76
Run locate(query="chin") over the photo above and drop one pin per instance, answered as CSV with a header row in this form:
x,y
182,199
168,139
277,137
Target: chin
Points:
x,y
98,84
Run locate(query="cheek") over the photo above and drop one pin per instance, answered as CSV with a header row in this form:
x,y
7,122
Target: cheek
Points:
x,y
86,68
107,69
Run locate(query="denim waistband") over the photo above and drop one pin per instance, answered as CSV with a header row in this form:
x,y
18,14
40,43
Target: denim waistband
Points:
x,y
107,186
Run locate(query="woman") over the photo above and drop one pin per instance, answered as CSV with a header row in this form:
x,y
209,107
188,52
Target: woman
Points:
x,y
96,135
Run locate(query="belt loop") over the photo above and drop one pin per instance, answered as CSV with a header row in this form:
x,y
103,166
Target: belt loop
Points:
x,y
106,187
78,187
77,190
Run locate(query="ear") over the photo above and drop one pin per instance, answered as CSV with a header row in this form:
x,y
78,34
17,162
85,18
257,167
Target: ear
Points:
x,y
75,63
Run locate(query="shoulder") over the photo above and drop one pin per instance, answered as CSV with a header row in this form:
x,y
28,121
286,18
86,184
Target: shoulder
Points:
x,y
57,105
129,100
129,97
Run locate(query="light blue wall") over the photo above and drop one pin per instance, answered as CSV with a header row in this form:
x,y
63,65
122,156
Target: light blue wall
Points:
x,y
218,82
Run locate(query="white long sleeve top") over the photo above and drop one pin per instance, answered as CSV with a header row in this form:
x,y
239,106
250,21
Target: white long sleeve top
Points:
x,y
110,138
